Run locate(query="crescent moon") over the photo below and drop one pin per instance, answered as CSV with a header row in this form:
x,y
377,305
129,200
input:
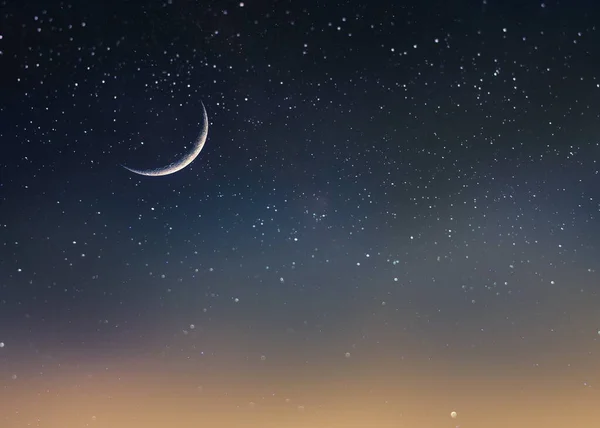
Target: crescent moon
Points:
x,y
184,161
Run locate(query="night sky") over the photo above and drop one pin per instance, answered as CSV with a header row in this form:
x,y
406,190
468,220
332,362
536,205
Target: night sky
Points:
x,y
395,216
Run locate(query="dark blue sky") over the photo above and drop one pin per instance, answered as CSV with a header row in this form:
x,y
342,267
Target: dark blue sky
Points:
x,y
388,189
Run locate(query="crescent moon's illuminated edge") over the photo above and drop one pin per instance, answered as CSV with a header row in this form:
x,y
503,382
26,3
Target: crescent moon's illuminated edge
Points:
x,y
184,161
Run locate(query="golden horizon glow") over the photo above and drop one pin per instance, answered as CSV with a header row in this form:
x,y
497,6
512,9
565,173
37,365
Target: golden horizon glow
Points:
x,y
152,394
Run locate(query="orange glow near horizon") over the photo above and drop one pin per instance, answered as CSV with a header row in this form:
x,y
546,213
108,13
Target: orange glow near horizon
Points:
x,y
149,395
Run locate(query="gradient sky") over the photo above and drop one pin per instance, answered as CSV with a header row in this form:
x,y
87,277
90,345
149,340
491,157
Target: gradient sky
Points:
x,y
396,214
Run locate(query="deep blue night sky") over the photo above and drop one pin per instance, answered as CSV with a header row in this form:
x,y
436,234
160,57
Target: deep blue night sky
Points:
x,y
395,215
